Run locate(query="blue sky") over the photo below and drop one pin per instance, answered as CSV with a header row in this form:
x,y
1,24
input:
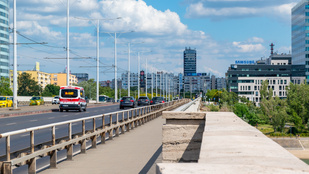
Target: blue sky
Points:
x,y
222,31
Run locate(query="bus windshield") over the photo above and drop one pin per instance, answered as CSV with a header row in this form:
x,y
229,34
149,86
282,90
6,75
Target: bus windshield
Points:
x,y
69,93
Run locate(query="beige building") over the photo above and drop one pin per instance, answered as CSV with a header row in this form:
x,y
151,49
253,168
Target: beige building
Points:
x,y
60,79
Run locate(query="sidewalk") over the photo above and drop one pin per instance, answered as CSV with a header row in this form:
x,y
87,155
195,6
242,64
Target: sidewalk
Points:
x,y
136,151
28,110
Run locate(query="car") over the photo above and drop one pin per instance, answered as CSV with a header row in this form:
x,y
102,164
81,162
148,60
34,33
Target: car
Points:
x,y
56,100
36,101
143,101
127,102
5,102
157,100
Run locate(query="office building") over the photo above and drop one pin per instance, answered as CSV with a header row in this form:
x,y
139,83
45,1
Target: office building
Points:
x,y
245,78
220,83
189,61
197,82
81,77
4,39
300,35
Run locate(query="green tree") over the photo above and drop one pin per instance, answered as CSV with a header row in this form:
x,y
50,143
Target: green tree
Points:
x,y
5,86
273,107
90,88
28,86
51,90
298,101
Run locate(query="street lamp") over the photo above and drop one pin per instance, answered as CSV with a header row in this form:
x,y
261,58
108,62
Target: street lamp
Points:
x,y
115,56
98,49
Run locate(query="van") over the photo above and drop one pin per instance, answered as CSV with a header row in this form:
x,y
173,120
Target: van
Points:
x,y
72,98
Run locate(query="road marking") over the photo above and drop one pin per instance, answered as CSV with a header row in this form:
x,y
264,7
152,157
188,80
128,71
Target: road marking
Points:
x,y
51,118
10,124
75,124
65,115
25,135
33,120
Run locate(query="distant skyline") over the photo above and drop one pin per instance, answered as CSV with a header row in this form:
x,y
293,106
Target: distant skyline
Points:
x,y
221,31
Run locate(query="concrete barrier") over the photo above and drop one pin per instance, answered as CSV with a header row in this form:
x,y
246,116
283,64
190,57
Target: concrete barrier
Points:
x,y
228,145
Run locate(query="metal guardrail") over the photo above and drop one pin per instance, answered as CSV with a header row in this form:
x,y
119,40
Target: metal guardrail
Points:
x,y
186,106
138,117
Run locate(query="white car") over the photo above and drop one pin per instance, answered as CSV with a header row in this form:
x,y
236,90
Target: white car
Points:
x,y
56,100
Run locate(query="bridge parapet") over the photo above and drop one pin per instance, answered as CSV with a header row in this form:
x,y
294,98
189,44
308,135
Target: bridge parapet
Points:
x,y
226,144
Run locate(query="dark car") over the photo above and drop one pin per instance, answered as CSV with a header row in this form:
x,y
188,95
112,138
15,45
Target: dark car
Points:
x,y
110,100
143,101
127,102
156,100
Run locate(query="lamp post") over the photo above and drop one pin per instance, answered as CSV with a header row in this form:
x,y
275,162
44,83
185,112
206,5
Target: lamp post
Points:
x,y
97,50
15,57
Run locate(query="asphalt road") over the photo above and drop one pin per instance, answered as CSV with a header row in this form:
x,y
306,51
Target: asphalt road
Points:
x,y
22,141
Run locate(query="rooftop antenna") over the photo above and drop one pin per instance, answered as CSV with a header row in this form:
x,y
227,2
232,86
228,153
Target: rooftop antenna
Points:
x,y
272,49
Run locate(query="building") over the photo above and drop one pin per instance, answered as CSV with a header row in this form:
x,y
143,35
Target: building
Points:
x,y
119,84
60,79
4,39
42,78
213,82
81,77
220,83
106,83
197,82
133,80
246,79
189,61
300,35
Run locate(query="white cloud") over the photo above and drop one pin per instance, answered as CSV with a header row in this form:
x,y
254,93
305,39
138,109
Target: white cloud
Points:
x,y
138,16
245,48
199,10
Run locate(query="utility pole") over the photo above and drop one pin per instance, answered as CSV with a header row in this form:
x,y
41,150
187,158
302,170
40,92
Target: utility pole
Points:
x,y
152,84
138,74
68,43
98,41
146,79
157,84
129,72
115,55
15,57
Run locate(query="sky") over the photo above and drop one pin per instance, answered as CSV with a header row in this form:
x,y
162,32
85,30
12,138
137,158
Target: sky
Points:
x,y
221,31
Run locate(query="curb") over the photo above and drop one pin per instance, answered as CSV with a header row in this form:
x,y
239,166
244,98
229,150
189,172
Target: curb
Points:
x,y
48,111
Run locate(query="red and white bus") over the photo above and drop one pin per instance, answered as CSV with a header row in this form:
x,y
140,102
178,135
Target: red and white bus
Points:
x,y
72,98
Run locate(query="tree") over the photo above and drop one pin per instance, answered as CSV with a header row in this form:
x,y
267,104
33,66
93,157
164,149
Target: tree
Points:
x,y
28,86
90,88
274,107
298,101
51,90
5,86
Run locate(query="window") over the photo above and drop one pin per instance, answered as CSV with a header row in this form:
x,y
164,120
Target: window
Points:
x,y
281,81
256,93
285,81
280,94
249,88
280,87
274,82
255,87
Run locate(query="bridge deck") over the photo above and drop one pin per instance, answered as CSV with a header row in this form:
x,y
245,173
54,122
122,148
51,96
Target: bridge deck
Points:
x,y
134,152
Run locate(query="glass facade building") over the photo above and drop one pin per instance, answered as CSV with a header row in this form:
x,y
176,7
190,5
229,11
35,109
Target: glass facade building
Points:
x,y
300,35
189,61
4,39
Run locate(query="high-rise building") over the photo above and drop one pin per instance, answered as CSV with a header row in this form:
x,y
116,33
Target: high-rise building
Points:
x,y
4,39
300,35
189,61
81,77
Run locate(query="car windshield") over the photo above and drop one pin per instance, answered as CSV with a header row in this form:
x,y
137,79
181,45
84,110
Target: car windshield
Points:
x,y
157,98
126,98
2,98
69,93
35,98
56,97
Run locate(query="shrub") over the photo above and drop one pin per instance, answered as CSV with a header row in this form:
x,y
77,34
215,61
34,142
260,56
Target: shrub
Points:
x,y
214,108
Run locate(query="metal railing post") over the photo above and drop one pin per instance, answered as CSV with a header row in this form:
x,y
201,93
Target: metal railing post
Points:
x,y
83,145
70,147
94,138
53,154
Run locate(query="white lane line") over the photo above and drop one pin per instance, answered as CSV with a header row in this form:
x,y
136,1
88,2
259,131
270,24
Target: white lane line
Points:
x,y
51,118
56,128
65,115
25,135
33,120
75,124
10,124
